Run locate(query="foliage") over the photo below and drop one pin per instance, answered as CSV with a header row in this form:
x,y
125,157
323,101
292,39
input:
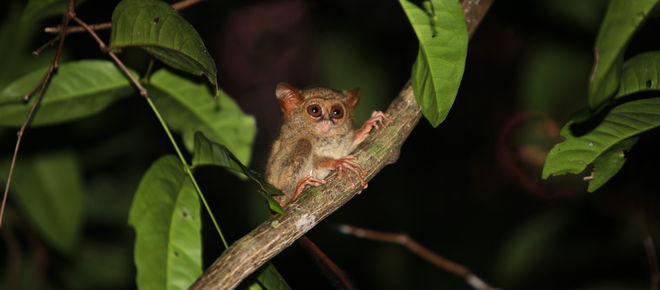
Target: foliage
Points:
x,y
165,214
619,119
438,69
77,194
159,29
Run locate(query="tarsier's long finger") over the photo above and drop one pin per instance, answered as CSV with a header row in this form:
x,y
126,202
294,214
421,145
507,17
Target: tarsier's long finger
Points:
x,y
381,117
360,171
359,175
350,179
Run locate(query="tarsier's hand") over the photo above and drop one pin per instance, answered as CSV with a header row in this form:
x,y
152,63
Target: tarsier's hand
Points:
x,y
377,120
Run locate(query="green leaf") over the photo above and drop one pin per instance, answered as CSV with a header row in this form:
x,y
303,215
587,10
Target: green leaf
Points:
x,y
166,216
268,278
159,29
438,70
49,189
78,89
208,152
640,73
609,163
627,120
622,19
189,107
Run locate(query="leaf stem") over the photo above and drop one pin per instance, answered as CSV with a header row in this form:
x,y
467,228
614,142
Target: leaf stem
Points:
x,y
143,92
187,169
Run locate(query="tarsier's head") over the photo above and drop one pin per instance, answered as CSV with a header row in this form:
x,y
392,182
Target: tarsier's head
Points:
x,y
324,111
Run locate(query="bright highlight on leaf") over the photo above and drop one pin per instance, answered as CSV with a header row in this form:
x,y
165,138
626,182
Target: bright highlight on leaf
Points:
x,y
159,29
208,152
622,19
189,107
437,72
78,89
165,214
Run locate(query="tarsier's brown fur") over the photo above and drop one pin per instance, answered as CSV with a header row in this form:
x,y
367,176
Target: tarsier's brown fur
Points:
x,y
316,137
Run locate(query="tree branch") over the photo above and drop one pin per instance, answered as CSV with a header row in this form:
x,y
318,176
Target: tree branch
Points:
x,y
41,85
419,250
279,232
107,25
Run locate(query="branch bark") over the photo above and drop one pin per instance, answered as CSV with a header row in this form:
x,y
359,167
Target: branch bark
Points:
x,y
279,232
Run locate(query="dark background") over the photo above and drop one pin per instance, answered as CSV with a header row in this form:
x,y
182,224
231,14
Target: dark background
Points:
x,y
470,189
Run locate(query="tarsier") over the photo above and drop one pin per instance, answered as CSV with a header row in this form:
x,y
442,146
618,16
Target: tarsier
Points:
x,y
316,137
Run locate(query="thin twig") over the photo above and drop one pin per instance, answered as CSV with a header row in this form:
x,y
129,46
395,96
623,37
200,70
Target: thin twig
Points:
x,y
325,261
107,25
184,4
46,45
649,246
44,83
421,251
104,48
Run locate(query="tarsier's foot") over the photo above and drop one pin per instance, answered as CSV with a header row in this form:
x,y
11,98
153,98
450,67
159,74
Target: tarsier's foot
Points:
x,y
308,180
347,165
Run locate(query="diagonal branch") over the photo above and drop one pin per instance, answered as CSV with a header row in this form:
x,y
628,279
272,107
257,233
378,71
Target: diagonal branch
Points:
x,y
419,250
279,232
41,85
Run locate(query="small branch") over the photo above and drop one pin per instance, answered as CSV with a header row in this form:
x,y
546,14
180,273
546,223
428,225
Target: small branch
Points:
x,y
104,48
649,246
474,11
42,84
38,51
327,264
419,250
184,4
107,25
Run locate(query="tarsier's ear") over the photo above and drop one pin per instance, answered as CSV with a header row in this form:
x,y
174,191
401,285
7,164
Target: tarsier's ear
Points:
x,y
353,98
288,96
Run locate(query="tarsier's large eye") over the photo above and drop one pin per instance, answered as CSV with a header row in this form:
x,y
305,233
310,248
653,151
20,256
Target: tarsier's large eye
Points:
x,y
314,110
337,112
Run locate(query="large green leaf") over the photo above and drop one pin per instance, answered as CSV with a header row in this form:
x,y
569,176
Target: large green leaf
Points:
x,y
77,90
159,29
640,73
189,107
627,120
208,152
166,216
437,72
622,19
49,189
